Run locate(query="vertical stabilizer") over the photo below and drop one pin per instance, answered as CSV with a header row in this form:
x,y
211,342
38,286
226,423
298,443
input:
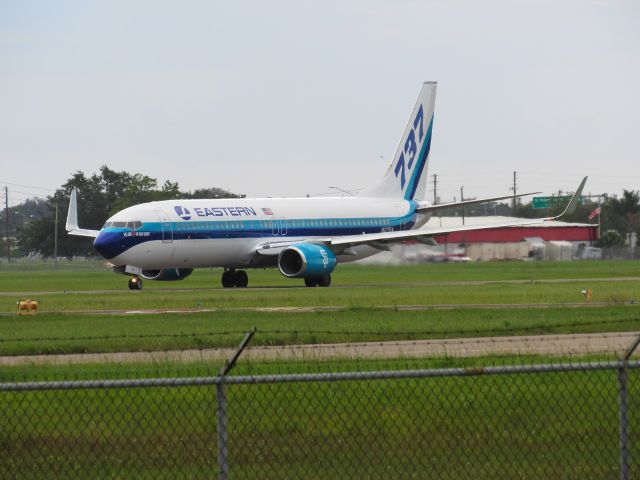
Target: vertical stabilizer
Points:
x,y
407,175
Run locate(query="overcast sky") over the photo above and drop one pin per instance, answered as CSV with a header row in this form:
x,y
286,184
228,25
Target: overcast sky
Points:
x,y
286,98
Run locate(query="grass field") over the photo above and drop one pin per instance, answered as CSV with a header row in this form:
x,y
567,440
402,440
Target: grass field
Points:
x,y
18,277
70,318
542,426
548,426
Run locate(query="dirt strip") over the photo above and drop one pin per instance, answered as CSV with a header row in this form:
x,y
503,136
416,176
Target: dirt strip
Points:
x,y
573,344
337,308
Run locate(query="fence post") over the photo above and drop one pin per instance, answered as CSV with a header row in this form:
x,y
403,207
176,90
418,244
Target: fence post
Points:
x,y
221,410
223,446
624,422
623,410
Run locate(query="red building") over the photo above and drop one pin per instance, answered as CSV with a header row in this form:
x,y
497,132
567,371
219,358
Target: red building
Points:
x,y
550,231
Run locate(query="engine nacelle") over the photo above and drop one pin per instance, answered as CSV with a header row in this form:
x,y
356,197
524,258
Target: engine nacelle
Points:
x,y
306,260
167,274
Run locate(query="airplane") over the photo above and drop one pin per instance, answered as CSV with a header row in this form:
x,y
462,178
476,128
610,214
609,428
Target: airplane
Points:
x,y
302,237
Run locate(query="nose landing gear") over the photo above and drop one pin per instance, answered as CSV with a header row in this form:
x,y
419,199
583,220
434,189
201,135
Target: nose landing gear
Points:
x,y
135,283
235,278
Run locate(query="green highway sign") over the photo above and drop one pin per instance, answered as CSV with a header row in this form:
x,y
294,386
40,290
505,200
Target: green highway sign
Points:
x,y
551,202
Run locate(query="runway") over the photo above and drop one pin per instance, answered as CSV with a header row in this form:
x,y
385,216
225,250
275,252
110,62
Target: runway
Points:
x,y
289,287
552,345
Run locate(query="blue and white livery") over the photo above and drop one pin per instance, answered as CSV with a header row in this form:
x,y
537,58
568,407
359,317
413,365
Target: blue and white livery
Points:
x,y
302,237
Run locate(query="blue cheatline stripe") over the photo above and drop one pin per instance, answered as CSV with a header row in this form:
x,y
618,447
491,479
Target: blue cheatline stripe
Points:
x,y
422,160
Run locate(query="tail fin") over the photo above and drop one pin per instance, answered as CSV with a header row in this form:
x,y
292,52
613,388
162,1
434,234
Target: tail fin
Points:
x,y
407,175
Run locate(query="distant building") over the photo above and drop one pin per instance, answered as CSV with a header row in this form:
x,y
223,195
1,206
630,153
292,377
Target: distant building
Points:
x,y
552,240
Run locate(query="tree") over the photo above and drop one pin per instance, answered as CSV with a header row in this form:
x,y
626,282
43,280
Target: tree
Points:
x,y
212,192
610,238
622,214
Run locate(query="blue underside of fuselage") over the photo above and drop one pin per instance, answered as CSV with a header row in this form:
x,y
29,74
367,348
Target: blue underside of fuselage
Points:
x,y
112,242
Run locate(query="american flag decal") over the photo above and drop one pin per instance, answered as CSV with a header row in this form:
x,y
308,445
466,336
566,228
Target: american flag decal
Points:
x,y
267,211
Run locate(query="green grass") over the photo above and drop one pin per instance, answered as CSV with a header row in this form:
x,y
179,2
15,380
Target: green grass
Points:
x,y
555,425
94,276
82,329
539,426
388,295
64,333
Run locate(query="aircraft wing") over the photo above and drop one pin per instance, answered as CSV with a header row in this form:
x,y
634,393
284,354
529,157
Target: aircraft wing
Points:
x,y
381,240
72,219
83,232
444,206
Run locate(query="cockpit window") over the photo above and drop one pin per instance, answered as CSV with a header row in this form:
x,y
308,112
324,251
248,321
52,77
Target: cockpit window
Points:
x,y
135,225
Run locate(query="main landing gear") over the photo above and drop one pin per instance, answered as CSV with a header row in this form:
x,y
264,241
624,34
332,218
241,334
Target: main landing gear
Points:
x,y
135,283
323,281
235,278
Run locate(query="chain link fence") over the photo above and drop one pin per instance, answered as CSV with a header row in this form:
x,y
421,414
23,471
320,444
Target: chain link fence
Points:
x,y
566,420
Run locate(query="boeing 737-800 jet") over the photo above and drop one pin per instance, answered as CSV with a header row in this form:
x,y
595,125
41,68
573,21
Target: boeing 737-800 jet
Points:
x,y
303,237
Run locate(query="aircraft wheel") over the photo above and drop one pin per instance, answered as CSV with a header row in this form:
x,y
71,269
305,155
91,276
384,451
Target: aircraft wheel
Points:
x,y
324,281
311,282
135,283
229,279
241,279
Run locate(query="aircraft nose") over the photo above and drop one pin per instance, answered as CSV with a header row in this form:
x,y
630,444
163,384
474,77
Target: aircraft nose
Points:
x,y
108,244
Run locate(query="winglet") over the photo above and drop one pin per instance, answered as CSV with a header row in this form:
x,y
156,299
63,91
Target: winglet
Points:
x,y
72,214
573,203
72,219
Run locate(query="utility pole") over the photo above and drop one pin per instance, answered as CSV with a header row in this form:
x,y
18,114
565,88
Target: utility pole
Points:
x,y
514,189
55,234
55,238
6,217
462,200
435,188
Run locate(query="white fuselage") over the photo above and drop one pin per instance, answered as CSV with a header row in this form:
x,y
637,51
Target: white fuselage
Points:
x,y
229,232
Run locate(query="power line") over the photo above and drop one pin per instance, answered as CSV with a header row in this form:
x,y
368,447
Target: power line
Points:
x,y
28,186
27,193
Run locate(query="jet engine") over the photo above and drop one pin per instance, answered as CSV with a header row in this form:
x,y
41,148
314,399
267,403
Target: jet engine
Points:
x,y
167,274
306,260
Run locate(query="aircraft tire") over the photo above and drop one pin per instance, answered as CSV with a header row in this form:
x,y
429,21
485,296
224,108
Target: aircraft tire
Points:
x,y
241,279
229,279
135,283
324,281
311,282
